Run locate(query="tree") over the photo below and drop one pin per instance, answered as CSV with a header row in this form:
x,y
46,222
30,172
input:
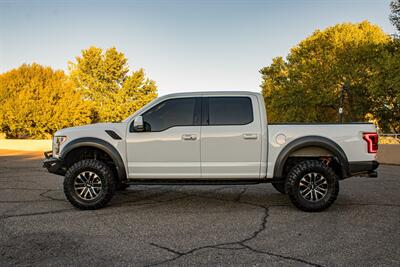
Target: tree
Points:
x,y
395,14
384,89
306,85
36,101
103,79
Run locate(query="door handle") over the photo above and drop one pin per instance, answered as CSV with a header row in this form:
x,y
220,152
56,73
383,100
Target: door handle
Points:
x,y
189,137
250,136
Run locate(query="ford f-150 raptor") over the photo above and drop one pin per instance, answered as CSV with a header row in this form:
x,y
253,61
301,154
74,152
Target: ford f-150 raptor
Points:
x,y
211,138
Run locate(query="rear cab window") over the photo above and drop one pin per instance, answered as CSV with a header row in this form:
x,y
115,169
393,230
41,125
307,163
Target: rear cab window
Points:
x,y
227,111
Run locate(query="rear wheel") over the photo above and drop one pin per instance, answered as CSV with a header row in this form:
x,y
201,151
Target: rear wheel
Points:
x,y
89,184
312,186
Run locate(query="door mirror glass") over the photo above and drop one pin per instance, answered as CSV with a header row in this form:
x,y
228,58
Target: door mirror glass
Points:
x,y
138,124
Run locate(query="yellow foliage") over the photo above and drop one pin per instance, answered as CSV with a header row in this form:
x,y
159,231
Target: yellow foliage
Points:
x,y
388,140
36,101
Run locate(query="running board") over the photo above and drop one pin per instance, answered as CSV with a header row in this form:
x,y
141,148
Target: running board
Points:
x,y
196,182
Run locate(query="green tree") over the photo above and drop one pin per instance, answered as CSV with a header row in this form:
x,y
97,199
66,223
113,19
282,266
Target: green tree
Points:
x,y
306,85
104,80
384,89
395,14
36,101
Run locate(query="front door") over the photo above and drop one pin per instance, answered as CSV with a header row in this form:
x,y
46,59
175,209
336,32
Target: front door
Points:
x,y
169,146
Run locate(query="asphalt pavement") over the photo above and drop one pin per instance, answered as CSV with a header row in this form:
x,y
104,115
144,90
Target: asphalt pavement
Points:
x,y
194,225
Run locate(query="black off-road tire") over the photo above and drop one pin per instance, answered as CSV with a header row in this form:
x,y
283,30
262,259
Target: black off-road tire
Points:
x,y
292,185
280,187
107,184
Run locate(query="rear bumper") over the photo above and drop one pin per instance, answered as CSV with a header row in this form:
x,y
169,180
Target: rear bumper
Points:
x,y
53,165
364,168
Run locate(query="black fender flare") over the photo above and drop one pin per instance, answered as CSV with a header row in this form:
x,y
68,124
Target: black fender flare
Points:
x,y
308,141
99,144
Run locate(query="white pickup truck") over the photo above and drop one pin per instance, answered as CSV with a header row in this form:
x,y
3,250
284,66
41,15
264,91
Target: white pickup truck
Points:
x,y
211,138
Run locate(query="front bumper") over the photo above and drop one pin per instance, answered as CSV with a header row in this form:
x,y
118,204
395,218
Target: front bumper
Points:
x,y
53,165
364,168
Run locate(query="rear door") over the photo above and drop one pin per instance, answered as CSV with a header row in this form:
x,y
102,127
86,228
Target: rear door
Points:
x,y
231,137
170,145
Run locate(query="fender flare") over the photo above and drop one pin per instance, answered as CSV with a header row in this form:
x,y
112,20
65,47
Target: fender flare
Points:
x,y
308,141
99,144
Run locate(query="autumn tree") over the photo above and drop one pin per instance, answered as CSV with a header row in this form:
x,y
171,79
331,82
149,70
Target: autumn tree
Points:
x,y
104,80
306,85
36,101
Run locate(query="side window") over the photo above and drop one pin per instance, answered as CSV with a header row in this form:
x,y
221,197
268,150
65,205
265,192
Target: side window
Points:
x,y
229,110
170,113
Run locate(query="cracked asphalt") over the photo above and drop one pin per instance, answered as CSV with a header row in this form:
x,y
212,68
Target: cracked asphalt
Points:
x,y
194,225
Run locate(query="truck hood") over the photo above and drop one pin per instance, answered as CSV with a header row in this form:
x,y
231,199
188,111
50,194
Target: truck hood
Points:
x,y
119,128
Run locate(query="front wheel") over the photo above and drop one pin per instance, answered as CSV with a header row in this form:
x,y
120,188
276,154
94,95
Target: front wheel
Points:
x,y
312,186
89,184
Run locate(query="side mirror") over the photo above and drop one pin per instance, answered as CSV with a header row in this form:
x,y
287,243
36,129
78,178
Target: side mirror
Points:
x,y
138,124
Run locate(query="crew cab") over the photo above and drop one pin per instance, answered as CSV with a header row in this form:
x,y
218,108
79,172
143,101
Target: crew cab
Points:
x,y
211,138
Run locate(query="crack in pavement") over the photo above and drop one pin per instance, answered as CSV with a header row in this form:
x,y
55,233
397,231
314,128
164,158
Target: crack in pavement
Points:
x,y
42,195
282,256
168,249
153,202
49,197
241,243
2,217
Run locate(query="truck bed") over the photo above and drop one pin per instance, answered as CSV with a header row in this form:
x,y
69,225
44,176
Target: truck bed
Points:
x,y
348,136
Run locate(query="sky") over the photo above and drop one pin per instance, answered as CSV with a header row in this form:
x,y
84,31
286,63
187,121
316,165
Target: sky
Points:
x,y
182,45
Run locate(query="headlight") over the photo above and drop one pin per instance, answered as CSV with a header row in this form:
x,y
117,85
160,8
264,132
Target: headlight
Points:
x,y
57,142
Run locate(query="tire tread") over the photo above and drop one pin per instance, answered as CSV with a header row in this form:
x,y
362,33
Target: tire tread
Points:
x,y
295,175
103,170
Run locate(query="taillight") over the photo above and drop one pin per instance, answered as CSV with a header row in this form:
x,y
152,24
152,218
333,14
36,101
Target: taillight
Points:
x,y
372,142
